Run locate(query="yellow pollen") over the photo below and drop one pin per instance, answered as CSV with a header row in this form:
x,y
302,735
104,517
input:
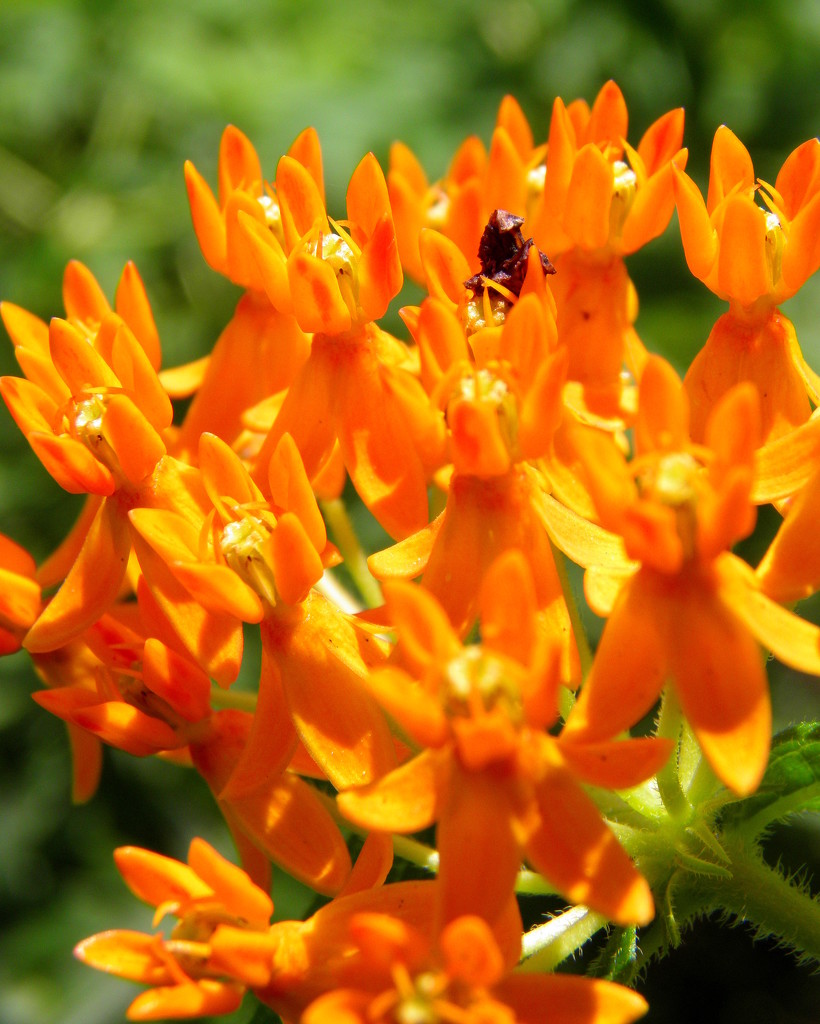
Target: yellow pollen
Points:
x,y
489,309
485,386
774,245
273,216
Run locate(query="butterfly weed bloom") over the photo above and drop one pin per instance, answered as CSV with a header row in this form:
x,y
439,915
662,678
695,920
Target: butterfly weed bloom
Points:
x,y
356,388
94,411
257,560
679,506
508,177
753,244
602,200
496,782
262,346
20,599
461,977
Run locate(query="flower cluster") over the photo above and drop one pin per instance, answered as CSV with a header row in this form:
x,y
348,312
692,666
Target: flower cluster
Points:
x,y
521,425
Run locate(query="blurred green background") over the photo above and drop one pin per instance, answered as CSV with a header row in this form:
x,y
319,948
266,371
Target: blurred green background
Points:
x,y
100,104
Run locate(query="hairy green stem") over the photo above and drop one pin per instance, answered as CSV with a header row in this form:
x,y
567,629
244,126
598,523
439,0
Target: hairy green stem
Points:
x,y
547,945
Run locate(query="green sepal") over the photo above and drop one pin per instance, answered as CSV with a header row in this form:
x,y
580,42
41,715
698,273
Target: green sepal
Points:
x,y
264,1015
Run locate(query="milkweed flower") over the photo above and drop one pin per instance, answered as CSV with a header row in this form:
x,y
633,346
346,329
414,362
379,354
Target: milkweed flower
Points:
x,y
356,388
256,560
208,895
755,255
499,786
461,977
94,411
602,200
508,177
488,356
700,612
262,346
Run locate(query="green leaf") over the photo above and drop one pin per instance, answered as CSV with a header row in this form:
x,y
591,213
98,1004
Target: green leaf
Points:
x,y
790,785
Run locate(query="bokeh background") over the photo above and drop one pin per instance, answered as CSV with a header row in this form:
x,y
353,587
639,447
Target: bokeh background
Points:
x,y
100,104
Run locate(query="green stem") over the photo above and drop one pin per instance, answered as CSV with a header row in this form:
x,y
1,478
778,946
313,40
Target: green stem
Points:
x,y
578,630
546,946
241,700
670,724
779,809
762,896
345,538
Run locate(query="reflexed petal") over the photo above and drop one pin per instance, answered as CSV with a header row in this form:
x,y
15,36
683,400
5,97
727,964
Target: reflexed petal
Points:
x,y
83,298
367,199
506,183
239,166
700,240
790,569
317,301
479,855
296,563
202,997
92,584
730,166
300,201
418,713
630,665
176,680
137,445
571,1000
721,682
618,764
290,490
127,728
574,849
72,465
407,799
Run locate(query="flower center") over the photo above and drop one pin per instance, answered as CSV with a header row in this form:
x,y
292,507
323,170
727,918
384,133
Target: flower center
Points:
x,y
489,309
82,419
477,682
245,545
489,388
675,481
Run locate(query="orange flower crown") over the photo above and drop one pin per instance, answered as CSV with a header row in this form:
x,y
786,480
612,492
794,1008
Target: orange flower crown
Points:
x,y
462,723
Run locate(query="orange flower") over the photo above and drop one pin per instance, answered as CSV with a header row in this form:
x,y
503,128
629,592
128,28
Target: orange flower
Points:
x,y
356,389
256,561
207,895
94,411
698,611
509,177
462,977
495,781
262,347
602,200
755,256
132,692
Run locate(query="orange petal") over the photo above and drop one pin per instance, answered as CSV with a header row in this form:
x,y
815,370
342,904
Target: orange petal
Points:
x,y
730,165
723,690
132,305
208,223
128,954
618,764
571,999
200,998
407,799
231,885
479,855
744,273
127,728
307,149
445,266
574,849
176,680
83,298
626,677
92,584
137,445
380,276
157,879
317,301
367,199
700,240
418,713
290,490
506,183
300,200
296,563
589,197
239,166
662,141
322,668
